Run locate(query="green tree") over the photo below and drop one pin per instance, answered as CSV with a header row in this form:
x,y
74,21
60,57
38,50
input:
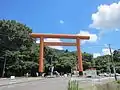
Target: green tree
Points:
x,y
103,63
15,46
87,57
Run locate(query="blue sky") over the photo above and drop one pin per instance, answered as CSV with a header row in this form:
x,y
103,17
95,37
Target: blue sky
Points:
x,y
69,17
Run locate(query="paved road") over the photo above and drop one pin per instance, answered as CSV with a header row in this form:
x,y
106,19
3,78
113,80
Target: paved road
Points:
x,y
8,81
43,84
54,83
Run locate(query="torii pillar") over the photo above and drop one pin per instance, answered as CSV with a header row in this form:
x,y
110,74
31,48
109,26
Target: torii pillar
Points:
x,y
79,54
64,36
41,55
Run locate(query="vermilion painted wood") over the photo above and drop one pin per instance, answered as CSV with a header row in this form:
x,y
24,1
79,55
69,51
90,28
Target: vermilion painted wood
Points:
x,y
41,64
59,44
68,36
80,66
63,36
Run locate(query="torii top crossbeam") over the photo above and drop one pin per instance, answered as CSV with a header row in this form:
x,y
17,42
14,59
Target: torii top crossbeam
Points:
x,y
68,36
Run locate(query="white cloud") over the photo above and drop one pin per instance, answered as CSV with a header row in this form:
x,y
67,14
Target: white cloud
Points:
x,y
37,41
106,51
61,22
52,40
93,37
95,55
106,45
107,17
117,30
57,47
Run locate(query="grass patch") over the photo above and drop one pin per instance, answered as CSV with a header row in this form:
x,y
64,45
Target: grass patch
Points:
x,y
108,86
118,81
73,85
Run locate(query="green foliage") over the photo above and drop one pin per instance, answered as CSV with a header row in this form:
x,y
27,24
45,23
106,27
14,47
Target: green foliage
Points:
x,y
73,85
63,61
116,55
104,63
15,46
22,53
118,81
14,35
108,86
86,65
87,57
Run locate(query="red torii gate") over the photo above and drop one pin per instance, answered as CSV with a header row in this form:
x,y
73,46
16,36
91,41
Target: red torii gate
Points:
x,y
62,36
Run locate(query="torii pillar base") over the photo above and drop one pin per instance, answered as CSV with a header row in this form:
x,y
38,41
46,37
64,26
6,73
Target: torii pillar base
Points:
x,y
80,73
40,73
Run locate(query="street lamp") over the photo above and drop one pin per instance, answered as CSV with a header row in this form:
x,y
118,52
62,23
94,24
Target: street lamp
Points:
x,y
4,67
51,65
114,69
3,70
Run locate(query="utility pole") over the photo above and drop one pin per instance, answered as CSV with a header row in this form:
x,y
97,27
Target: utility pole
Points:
x,y
51,65
4,67
113,64
108,58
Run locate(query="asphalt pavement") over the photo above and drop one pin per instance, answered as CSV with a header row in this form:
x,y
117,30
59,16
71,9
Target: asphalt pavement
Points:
x,y
42,84
17,80
58,83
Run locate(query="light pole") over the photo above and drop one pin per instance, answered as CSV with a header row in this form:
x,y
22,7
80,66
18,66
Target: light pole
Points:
x,y
3,72
51,65
108,58
113,63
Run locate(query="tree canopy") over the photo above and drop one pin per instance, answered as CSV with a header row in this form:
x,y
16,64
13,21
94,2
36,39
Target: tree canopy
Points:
x,y
15,46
